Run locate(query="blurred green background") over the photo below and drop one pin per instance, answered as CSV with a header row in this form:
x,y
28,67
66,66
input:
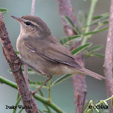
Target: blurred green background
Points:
x,y
62,94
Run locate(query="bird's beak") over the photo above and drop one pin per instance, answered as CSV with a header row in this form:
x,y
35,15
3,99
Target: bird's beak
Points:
x,y
18,19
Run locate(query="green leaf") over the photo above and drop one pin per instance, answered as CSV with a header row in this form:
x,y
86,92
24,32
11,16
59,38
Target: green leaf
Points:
x,y
91,51
89,107
94,55
61,79
17,52
43,111
30,71
97,17
105,22
112,101
105,103
101,16
97,110
48,109
80,48
68,39
18,96
69,20
82,16
76,29
95,48
3,10
94,32
21,111
18,101
37,84
98,55
98,21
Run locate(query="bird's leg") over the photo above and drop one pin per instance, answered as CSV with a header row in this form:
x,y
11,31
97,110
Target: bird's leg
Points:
x,y
49,77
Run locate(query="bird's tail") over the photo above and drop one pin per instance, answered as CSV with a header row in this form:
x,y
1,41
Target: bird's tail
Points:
x,y
92,74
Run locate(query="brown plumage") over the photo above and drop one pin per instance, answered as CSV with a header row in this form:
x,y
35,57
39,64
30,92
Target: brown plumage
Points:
x,y
42,52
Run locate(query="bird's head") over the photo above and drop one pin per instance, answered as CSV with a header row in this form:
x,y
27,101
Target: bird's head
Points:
x,y
33,25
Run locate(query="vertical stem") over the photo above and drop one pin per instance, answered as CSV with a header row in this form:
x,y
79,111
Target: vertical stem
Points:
x,y
49,111
89,19
33,7
49,91
109,58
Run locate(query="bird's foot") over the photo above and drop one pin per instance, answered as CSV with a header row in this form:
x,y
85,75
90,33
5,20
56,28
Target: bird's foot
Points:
x,y
33,93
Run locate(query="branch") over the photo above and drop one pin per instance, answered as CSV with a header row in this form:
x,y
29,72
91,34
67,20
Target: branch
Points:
x,y
15,65
36,96
79,82
65,9
108,57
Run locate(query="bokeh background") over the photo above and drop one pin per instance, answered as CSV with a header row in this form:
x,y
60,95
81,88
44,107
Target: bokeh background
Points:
x,y
62,94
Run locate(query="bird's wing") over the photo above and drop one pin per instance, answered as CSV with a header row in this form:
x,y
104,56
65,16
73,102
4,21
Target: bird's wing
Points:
x,y
52,52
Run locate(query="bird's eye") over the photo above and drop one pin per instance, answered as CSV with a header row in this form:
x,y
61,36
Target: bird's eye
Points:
x,y
28,23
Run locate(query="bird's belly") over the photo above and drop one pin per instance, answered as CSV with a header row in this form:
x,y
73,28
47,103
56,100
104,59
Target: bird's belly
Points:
x,y
61,69
46,68
43,66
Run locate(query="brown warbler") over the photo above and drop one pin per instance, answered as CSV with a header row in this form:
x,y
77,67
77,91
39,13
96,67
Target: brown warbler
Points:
x,y
41,51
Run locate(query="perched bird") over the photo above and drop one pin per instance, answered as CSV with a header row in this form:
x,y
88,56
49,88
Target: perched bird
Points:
x,y
41,51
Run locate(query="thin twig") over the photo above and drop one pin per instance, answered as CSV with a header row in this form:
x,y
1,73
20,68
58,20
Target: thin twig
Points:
x,y
15,65
108,57
79,82
33,7
90,15
25,66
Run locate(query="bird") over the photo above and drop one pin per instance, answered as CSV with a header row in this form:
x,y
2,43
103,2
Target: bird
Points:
x,y
43,53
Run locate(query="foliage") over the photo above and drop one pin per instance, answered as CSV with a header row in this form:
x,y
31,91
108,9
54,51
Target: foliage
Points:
x,y
100,107
88,49
3,10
